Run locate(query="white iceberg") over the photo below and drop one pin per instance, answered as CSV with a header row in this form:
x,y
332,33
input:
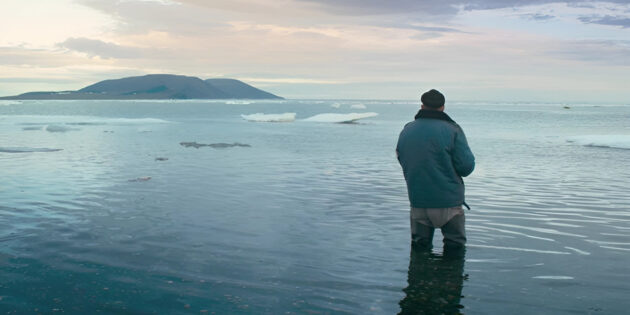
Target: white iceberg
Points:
x,y
238,102
260,117
340,118
605,141
358,106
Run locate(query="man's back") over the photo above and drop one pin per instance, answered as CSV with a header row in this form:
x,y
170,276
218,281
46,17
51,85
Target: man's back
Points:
x,y
434,155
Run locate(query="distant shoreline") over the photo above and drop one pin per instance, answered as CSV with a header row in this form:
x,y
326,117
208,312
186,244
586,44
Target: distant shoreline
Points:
x,y
16,98
155,87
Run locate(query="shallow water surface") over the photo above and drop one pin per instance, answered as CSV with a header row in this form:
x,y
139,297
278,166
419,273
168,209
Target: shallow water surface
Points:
x,y
103,208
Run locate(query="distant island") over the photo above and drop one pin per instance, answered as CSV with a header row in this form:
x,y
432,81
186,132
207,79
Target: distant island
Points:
x,y
155,87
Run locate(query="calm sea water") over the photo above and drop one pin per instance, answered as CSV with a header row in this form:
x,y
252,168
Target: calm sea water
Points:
x,y
304,217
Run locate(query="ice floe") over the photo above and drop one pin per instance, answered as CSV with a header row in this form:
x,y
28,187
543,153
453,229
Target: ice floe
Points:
x,y
60,124
604,141
340,118
42,120
260,117
554,277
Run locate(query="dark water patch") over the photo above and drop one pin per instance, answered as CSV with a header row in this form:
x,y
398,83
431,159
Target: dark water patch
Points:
x,y
141,179
13,236
219,145
435,284
35,286
83,123
32,128
26,150
161,159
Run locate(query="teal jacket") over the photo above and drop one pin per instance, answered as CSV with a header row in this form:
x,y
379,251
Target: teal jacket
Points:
x,y
434,156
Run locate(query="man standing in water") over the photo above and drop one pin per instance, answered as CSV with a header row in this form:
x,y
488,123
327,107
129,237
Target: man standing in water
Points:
x,y
434,156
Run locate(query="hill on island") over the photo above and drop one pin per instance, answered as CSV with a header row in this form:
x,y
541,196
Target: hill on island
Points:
x,y
156,86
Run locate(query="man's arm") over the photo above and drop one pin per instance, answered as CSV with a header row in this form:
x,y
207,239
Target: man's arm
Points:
x,y
463,158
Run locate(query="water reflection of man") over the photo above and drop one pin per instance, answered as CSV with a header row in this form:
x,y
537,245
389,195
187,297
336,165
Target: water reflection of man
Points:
x,y
434,156
434,283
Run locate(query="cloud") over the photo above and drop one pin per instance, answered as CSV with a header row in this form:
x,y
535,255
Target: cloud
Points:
x,y
20,56
14,80
622,21
142,16
581,5
438,29
603,52
441,8
500,4
162,2
41,24
95,47
427,35
292,80
379,7
537,17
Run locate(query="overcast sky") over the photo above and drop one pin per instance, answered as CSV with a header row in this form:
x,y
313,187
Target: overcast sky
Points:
x,y
495,50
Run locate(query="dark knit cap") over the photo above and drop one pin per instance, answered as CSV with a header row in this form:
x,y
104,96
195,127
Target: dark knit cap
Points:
x,y
433,99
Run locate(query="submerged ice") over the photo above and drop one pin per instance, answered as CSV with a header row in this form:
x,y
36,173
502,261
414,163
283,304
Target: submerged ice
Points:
x,y
606,141
59,128
26,150
219,145
32,128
